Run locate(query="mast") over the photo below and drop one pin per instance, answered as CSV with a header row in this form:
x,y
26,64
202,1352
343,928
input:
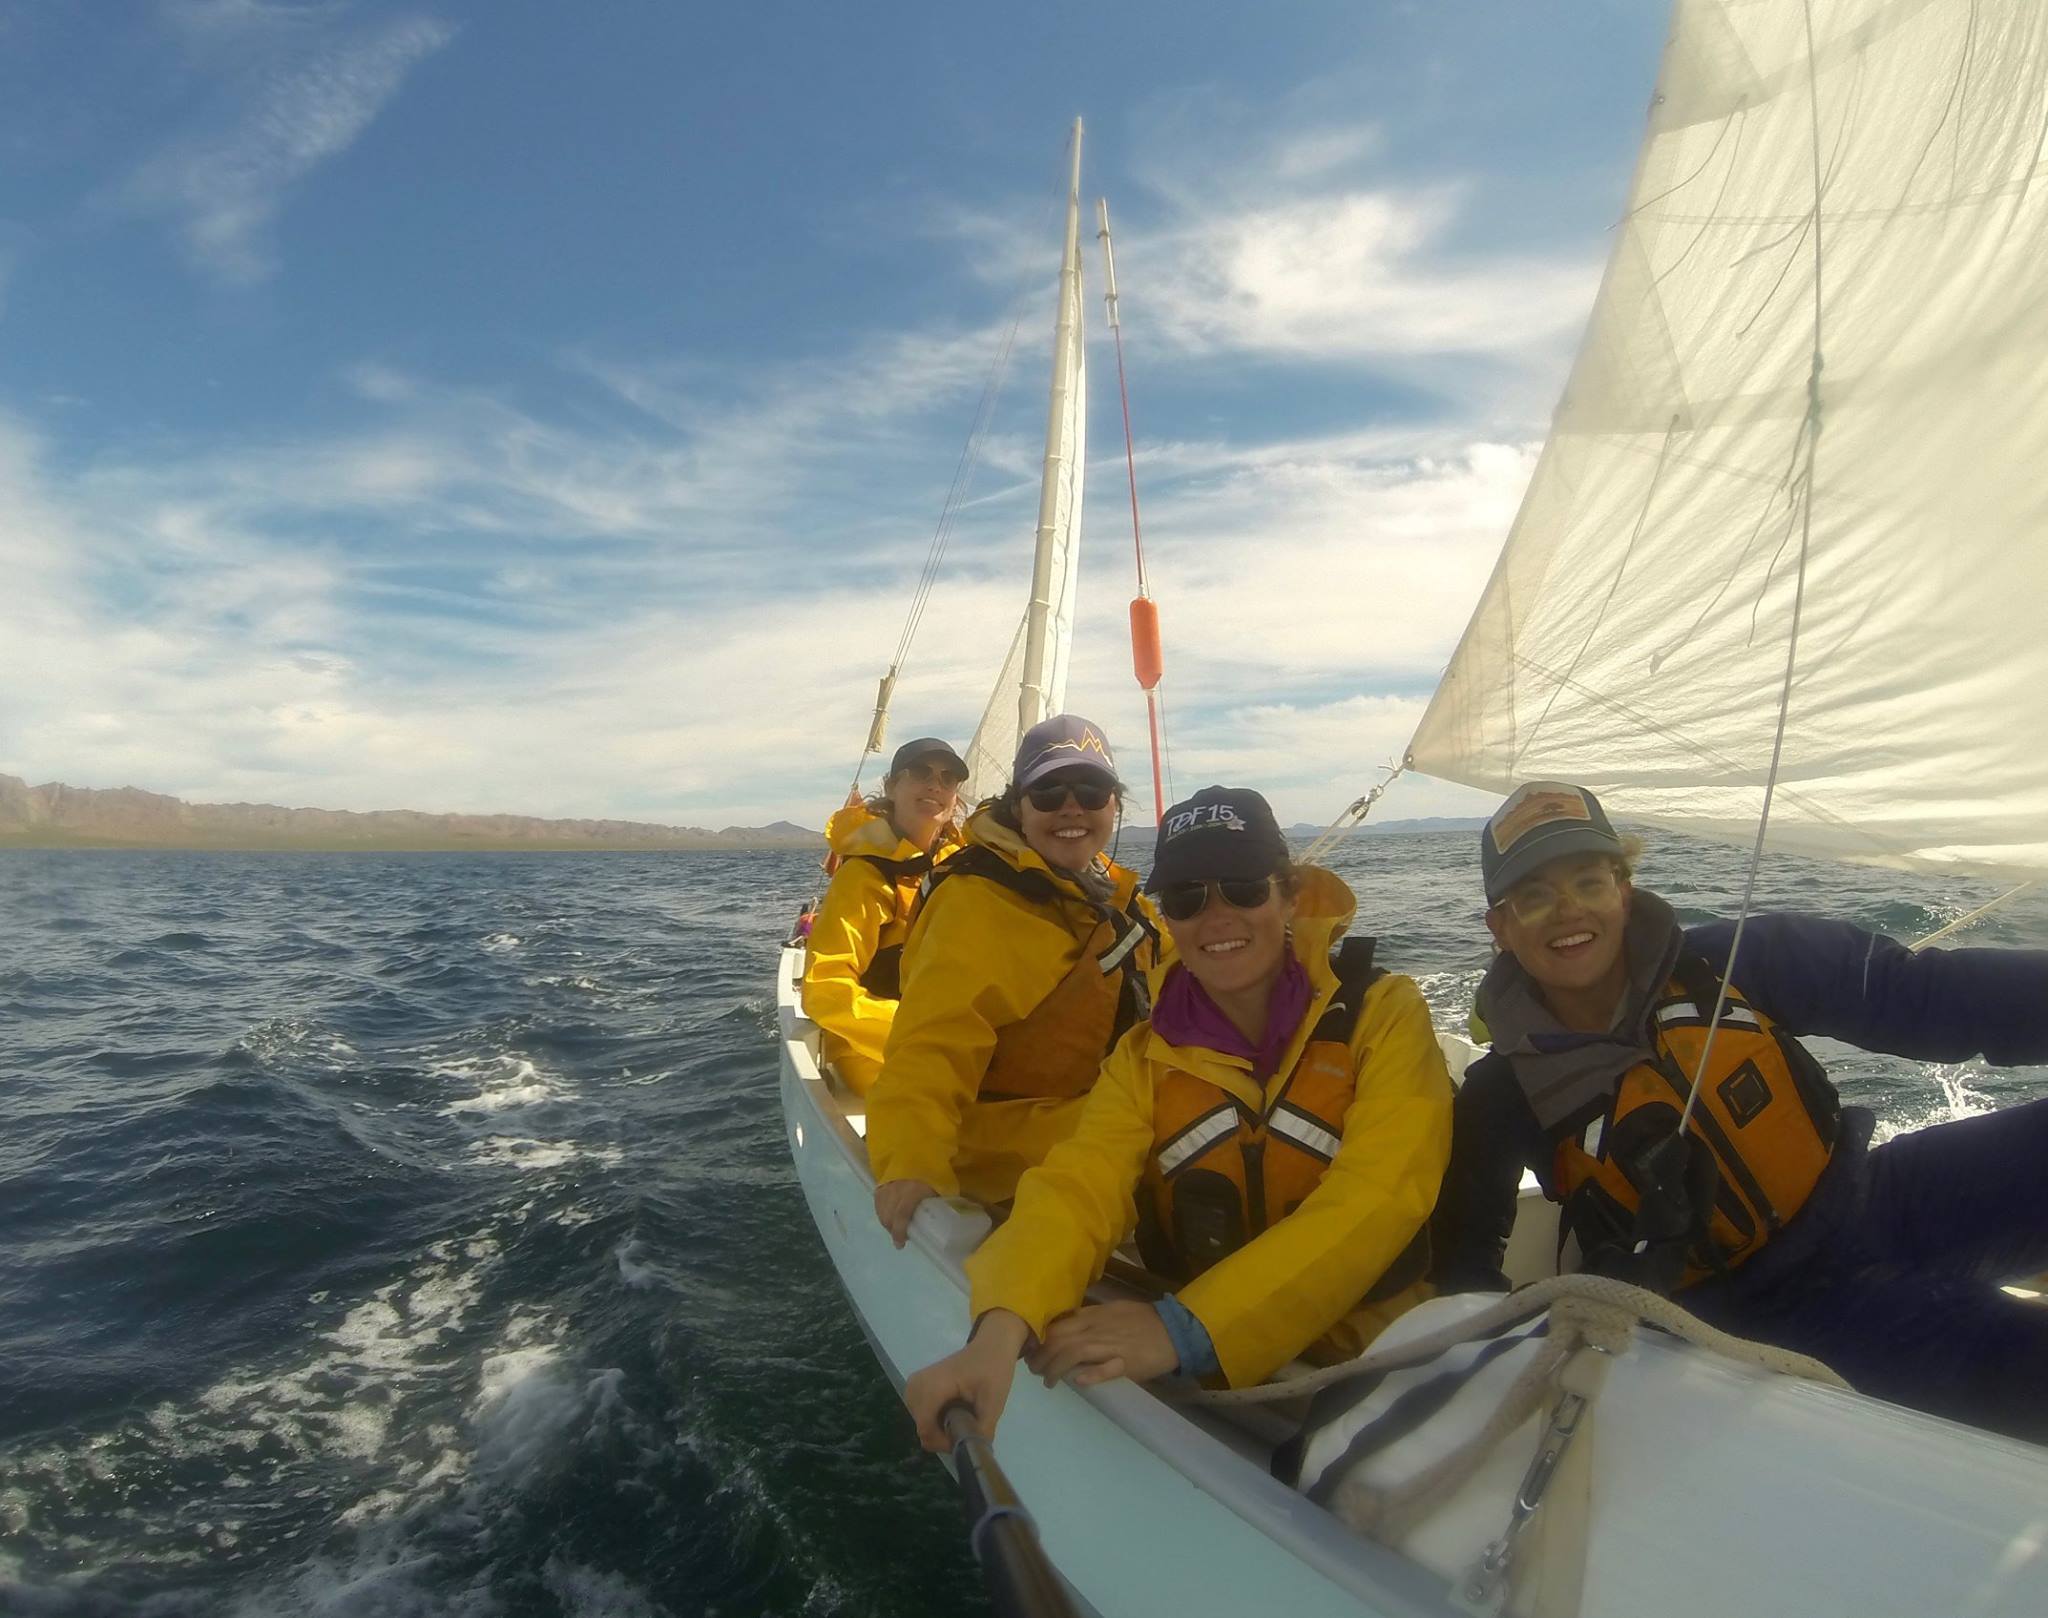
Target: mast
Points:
x,y
1062,471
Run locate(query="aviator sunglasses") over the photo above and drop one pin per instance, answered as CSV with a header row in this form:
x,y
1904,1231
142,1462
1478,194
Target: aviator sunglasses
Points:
x,y
1049,796
1183,901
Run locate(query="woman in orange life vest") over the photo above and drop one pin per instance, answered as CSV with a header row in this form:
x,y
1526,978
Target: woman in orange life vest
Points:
x,y
1025,962
1275,1135
852,975
1773,1213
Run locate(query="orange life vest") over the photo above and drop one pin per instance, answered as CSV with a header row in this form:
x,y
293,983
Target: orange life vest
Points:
x,y
1766,1111
1055,1050
1220,1174
884,974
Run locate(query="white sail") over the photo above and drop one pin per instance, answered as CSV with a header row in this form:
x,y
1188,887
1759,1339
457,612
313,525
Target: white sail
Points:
x,y
1635,634
1033,680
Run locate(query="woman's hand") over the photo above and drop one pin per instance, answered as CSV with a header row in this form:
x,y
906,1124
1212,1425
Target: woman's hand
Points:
x,y
979,1375
1102,1341
895,1202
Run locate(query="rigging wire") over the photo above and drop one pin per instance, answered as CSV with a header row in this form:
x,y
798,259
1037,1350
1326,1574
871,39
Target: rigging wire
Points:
x,y
1809,427
1355,814
1147,660
956,496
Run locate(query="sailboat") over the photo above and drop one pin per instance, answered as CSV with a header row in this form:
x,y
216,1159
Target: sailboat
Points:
x,y
1775,579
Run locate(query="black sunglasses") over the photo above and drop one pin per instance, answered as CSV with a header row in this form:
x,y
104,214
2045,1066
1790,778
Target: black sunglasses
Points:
x,y
1051,795
1183,901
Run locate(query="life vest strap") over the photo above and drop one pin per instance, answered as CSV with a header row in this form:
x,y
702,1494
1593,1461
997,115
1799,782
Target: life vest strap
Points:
x,y
914,865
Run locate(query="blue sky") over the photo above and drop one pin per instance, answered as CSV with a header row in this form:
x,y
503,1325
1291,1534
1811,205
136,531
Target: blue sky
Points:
x,y
545,408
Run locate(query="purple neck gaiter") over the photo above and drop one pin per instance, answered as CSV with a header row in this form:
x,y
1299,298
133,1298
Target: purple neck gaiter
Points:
x,y
1185,1015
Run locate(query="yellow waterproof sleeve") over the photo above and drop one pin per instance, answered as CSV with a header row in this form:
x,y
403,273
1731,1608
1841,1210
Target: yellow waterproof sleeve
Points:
x,y
968,970
1074,1208
845,935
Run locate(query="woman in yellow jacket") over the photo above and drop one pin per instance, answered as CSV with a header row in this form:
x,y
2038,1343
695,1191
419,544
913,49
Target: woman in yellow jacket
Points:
x,y
1025,963
1276,1136
853,972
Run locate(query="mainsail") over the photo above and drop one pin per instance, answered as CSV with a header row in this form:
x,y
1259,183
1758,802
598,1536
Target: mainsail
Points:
x,y
1801,453
1033,681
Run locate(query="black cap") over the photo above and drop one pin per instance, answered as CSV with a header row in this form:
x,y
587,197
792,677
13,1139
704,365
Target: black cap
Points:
x,y
926,747
1541,821
1064,742
1221,834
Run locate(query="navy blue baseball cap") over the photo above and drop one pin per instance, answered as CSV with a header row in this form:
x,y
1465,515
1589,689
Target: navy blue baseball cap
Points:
x,y
1063,742
1221,834
1541,821
927,747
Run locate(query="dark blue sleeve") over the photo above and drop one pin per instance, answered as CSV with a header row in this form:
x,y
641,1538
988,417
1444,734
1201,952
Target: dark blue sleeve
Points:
x,y
1818,976
1494,1136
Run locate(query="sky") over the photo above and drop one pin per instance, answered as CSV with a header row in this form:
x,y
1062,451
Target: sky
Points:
x,y
546,409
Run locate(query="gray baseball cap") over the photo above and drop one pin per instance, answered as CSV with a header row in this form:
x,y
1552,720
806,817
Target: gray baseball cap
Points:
x,y
1541,821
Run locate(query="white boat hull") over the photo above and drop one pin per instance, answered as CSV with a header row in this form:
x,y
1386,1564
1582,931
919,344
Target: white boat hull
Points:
x,y
1718,1489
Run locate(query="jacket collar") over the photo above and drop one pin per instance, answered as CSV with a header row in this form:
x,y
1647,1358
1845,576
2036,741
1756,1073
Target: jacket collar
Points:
x,y
857,829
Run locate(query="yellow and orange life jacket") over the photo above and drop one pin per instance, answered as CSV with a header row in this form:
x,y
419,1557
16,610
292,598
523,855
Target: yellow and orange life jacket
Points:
x,y
1220,1174
1055,1050
1766,1112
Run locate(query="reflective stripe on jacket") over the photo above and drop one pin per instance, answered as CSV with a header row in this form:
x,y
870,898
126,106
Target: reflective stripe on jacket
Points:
x,y
1288,1285
856,942
973,1088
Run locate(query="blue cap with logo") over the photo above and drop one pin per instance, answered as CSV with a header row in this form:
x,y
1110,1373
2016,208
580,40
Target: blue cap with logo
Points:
x,y
1221,834
1063,742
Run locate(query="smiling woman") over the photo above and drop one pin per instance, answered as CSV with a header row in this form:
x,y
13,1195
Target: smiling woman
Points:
x,y
1274,1137
1022,968
853,969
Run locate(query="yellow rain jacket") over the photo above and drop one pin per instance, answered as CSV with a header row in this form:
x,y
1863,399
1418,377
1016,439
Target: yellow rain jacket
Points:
x,y
865,916
1304,1275
980,960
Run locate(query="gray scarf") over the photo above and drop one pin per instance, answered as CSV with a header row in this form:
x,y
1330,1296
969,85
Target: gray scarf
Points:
x,y
1563,1072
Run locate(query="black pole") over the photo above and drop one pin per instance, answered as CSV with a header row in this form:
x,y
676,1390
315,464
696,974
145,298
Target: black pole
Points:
x,y
1004,1539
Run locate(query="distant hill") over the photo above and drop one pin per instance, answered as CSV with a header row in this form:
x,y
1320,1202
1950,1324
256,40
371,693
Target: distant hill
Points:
x,y
59,816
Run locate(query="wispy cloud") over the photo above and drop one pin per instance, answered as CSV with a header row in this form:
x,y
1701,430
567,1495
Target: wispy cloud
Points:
x,y
304,100
1357,274
666,592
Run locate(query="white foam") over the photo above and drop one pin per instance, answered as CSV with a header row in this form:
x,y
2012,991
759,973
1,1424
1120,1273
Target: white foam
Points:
x,y
501,943
634,1271
585,1592
521,1152
1957,1100
505,1082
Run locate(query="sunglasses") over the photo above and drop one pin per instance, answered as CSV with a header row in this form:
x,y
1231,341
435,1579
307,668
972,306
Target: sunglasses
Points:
x,y
1183,901
1537,903
1049,796
943,774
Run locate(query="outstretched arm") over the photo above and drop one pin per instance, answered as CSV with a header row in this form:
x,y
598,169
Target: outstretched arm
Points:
x,y
1818,976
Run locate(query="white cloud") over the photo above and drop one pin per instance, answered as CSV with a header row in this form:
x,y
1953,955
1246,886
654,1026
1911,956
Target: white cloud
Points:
x,y
306,101
669,597
1352,274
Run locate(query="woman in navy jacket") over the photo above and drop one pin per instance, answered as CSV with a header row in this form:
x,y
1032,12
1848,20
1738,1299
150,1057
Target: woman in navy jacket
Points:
x,y
1774,1215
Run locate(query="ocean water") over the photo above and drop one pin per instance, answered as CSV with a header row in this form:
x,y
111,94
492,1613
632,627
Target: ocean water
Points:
x,y
413,1234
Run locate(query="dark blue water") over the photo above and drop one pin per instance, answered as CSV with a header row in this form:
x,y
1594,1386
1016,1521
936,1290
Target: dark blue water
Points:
x,y
413,1234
